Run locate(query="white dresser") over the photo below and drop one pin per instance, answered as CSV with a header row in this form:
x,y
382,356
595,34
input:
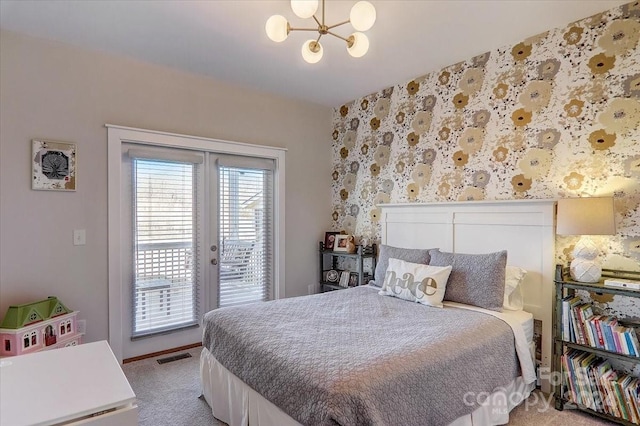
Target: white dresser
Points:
x,y
77,385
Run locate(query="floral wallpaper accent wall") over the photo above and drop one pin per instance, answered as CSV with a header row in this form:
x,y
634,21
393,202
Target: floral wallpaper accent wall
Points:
x,y
556,115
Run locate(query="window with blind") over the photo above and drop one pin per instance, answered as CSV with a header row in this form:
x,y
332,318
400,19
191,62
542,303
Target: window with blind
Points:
x,y
165,235
245,234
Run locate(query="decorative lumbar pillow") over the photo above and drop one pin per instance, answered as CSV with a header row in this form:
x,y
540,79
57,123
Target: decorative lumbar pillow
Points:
x,y
513,300
386,252
476,279
416,282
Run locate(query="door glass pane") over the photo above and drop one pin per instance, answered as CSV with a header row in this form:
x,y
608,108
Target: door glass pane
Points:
x,y
165,282
245,234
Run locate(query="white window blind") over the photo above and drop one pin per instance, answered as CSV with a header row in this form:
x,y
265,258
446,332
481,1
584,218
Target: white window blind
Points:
x,y
165,243
245,233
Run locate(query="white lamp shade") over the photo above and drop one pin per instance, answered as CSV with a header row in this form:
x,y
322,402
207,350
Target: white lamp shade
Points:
x,y
276,28
360,45
586,216
309,55
304,8
362,16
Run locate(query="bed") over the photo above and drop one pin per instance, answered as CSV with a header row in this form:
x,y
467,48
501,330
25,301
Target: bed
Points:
x,y
356,357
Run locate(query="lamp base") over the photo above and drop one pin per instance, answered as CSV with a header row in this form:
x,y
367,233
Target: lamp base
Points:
x,y
585,270
584,267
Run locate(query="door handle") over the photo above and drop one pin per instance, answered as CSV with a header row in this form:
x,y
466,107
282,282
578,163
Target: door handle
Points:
x,y
214,248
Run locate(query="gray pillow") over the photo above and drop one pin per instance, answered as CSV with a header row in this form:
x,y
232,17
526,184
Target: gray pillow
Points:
x,y
476,279
408,255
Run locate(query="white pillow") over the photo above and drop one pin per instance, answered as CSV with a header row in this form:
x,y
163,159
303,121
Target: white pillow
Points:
x,y
416,282
513,300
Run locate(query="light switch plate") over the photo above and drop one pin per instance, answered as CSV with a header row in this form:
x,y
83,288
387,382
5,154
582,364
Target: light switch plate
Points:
x,y
79,237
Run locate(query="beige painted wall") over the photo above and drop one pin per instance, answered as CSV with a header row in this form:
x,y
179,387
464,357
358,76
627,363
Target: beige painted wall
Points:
x,y
54,91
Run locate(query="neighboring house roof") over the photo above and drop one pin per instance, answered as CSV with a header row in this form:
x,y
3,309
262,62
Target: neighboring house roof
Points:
x,y
19,316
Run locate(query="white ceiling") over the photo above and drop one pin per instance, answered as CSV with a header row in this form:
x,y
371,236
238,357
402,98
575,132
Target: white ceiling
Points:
x,y
226,39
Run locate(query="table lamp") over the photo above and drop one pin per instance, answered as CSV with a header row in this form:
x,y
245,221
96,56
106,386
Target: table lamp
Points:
x,y
586,216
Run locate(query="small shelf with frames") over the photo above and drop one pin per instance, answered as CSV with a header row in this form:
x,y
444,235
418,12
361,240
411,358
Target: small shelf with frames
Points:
x,y
329,261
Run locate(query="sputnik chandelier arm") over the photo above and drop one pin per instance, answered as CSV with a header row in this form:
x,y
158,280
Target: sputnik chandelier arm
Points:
x,y
362,18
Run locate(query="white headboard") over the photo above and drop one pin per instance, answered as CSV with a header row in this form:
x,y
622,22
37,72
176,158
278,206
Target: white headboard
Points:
x,y
525,228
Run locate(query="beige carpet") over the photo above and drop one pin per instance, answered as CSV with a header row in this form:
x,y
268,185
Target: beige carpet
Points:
x,y
168,395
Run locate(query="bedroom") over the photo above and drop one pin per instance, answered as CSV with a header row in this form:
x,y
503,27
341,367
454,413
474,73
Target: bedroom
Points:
x,y
56,91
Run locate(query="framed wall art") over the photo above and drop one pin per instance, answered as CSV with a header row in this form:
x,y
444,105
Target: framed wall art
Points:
x,y
53,166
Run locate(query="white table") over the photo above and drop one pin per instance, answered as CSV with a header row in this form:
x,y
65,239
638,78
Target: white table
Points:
x,y
77,385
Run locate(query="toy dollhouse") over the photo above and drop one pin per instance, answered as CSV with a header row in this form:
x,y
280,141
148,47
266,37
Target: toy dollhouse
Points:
x,y
37,326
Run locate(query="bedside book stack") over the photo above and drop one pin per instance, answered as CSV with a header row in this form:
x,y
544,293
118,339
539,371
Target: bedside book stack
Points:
x,y
622,283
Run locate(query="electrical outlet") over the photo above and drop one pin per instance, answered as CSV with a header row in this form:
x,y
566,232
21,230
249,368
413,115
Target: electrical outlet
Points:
x,y
82,326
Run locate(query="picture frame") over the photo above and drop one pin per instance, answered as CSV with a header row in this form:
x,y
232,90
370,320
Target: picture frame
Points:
x,y
329,239
330,276
340,244
353,279
53,165
344,278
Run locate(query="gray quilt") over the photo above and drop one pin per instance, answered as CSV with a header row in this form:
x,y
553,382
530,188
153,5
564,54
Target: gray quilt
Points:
x,y
353,357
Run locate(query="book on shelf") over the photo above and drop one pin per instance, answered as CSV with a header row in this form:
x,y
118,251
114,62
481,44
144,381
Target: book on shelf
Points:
x,y
633,341
576,330
567,370
634,399
595,324
607,323
604,376
619,388
627,337
585,312
567,331
595,332
586,365
566,334
622,283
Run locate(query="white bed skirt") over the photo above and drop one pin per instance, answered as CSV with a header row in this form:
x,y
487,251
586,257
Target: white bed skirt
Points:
x,y
236,404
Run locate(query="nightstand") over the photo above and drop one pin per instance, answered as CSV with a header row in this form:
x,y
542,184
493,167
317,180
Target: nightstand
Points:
x,y
328,260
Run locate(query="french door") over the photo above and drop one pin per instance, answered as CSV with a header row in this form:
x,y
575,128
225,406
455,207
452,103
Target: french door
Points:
x,y
197,234
244,231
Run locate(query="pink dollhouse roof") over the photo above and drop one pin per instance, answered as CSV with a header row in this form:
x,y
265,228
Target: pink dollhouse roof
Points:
x,y
19,316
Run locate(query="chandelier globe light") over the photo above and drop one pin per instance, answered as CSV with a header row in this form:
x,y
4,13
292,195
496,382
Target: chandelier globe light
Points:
x,y
277,28
312,51
304,8
357,45
362,18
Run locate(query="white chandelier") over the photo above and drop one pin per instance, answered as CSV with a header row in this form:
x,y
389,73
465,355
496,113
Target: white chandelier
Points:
x,y
362,17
